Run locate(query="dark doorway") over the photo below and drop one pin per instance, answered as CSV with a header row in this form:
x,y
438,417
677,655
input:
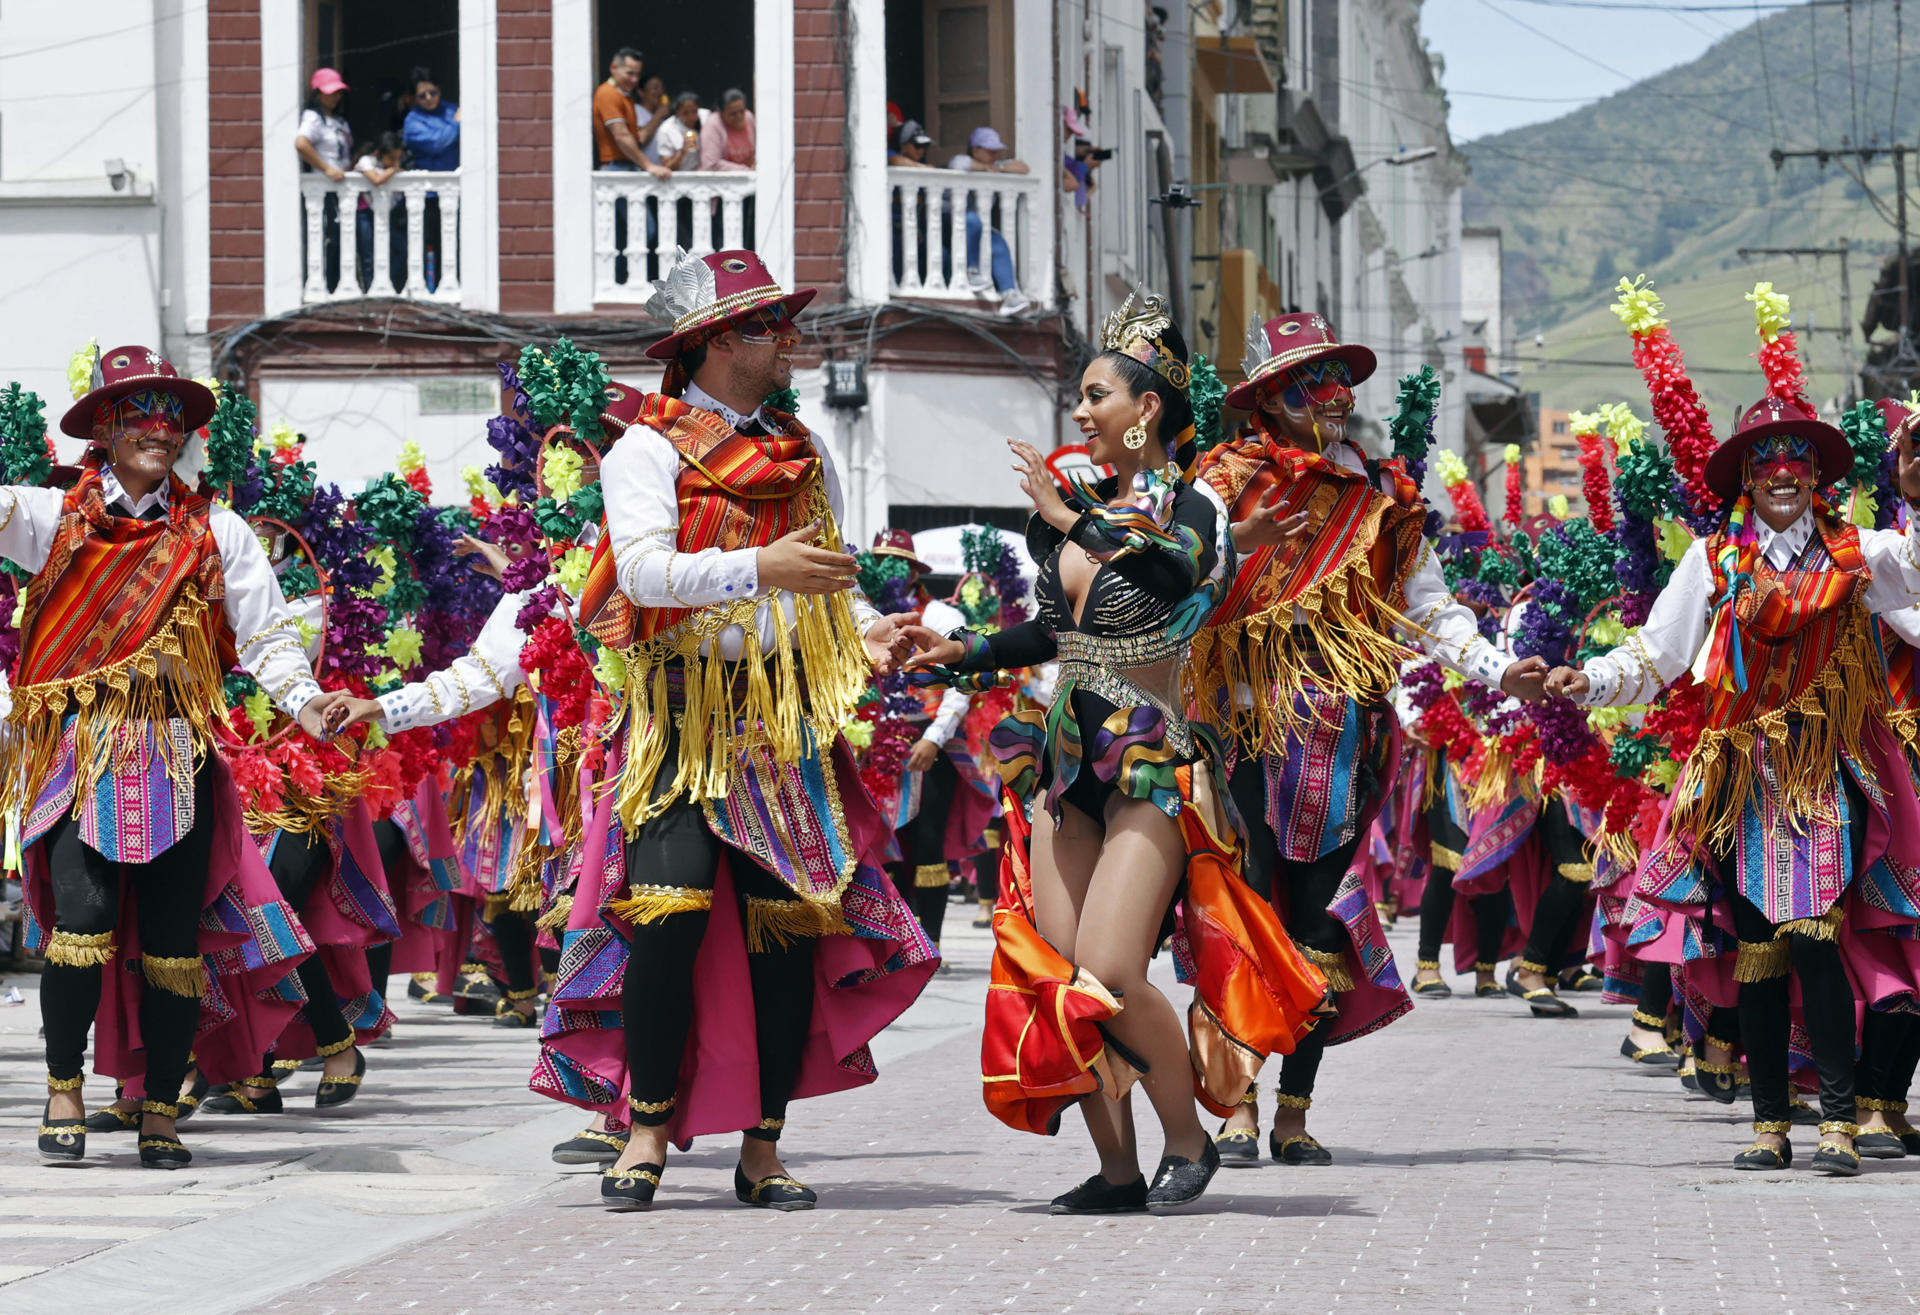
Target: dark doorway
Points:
x,y
705,48
381,43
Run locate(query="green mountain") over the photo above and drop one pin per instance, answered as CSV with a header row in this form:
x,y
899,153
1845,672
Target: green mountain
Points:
x,y
1673,176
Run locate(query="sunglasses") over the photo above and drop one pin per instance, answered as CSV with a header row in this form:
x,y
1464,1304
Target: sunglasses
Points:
x,y
764,326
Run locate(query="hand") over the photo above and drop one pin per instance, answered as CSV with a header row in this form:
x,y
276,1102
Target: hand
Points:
x,y
350,712
330,171
1267,528
1908,465
932,649
657,170
314,715
794,564
490,559
1415,735
887,642
1525,680
921,756
1036,481
1568,682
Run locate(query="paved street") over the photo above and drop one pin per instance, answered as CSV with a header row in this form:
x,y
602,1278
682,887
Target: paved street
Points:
x,y
1486,1163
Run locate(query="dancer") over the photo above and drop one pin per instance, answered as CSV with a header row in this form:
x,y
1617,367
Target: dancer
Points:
x,y
1130,569
111,765
1301,659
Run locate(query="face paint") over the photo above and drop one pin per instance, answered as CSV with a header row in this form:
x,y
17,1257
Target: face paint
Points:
x,y
1320,383
765,326
1782,453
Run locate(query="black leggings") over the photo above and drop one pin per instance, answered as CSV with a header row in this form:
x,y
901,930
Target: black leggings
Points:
x,y
1656,996
299,862
1491,911
1826,998
678,849
167,893
1889,1054
1561,903
392,842
1301,892
513,936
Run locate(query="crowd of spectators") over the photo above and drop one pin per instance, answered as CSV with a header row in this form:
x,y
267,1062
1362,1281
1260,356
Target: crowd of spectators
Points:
x,y
639,128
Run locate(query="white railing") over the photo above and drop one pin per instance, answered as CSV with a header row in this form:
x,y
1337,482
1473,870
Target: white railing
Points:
x,y
929,254
638,220
365,266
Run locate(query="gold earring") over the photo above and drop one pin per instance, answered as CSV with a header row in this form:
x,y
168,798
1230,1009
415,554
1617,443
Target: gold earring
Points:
x,y
1135,438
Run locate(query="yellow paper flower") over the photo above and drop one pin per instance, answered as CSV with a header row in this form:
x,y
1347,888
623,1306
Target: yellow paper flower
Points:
x,y
308,631
1674,540
560,467
1608,630
1513,454
1452,679
259,709
610,669
1452,469
209,383
1601,720
1584,422
1623,426
1771,311
376,738
1639,307
1863,509
1664,773
284,435
475,481
382,557
859,733
403,647
80,369
411,458
572,571
1558,505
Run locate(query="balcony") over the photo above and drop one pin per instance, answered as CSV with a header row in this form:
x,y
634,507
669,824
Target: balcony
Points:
x,y
348,253
933,249
639,219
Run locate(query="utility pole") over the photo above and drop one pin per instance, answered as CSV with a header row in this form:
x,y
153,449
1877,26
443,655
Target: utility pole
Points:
x,y
1905,362
1845,331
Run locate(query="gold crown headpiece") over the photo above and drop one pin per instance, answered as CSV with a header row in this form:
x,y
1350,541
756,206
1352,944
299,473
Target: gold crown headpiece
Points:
x,y
1135,332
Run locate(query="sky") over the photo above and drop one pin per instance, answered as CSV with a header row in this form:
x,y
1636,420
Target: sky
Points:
x,y
1500,75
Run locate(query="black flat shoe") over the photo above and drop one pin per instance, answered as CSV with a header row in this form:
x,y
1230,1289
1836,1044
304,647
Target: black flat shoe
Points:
x,y
335,1092
424,993
505,1015
1760,1156
1239,1149
1833,1159
1097,1196
164,1153
1488,991
189,1104
1299,1149
475,984
1910,1140
1581,979
113,1119
1880,1146
61,1142
630,1189
1803,1115
776,1193
589,1147
1178,1182
1716,1081
1434,990
1545,1004
1662,1056
232,1100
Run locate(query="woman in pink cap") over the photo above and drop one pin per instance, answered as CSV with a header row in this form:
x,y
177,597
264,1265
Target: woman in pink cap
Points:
x,y
325,143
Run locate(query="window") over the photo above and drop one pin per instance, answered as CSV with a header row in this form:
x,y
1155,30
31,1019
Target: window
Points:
x,y
969,63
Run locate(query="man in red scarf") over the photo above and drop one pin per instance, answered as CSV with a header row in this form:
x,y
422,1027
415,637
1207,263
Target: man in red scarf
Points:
x,y
1336,578
144,593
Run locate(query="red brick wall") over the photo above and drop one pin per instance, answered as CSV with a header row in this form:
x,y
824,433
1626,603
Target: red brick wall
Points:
x,y
819,136
526,156
238,267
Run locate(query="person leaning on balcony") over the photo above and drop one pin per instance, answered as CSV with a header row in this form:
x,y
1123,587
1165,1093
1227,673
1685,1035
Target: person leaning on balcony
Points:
x,y
983,156
378,162
620,139
910,150
433,126
323,139
727,144
677,144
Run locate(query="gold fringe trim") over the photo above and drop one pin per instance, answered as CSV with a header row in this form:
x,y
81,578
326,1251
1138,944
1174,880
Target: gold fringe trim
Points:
x,y
496,903
1345,631
645,904
651,1106
337,1048
1529,966
734,708
1581,874
1497,782
555,918
929,876
1333,964
166,1109
65,1084
1286,1102
1826,927
183,976
782,922
1778,1128
1652,1022
1448,859
73,950
1426,965
175,673
507,760
1762,961
303,814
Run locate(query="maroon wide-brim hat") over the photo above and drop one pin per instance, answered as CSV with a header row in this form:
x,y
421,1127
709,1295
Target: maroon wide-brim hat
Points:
x,y
1295,339
899,543
122,371
702,295
1765,419
1893,412
623,408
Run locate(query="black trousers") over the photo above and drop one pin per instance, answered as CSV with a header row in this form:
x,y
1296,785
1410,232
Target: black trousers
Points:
x,y
1491,912
167,896
678,849
1826,1000
923,847
392,842
1889,1054
299,862
1557,914
513,933
986,868
1656,996
1301,893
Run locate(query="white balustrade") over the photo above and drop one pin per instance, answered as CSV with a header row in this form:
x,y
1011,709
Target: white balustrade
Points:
x,y
929,255
638,220
338,225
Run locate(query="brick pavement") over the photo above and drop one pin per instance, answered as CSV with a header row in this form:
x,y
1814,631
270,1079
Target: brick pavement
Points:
x,y
1486,1163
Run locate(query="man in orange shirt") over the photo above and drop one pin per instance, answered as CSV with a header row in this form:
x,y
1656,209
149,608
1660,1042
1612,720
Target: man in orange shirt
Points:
x,y
619,137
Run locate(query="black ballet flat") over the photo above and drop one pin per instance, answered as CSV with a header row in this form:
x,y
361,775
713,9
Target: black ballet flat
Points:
x,y
232,1100
426,995
1803,1115
1178,1182
64,1142
1581,979
589,1147
1097,1196
1880,1146
335,1092
1761,1157
505,1015
1239,1149
1299,1149
1545,1004
1716,1081
113,1119
1833,1159
1489,991
1910,1140
164,1153
189,1104
1434,990
776,1193
632,1188
1661,1056
475,984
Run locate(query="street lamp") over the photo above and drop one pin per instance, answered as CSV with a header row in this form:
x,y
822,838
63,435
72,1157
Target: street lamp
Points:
x,y
1398,161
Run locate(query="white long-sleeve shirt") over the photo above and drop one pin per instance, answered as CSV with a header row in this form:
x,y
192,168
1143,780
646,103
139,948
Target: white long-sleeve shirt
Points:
x,y
1681,618
266,635
486,673
638,478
